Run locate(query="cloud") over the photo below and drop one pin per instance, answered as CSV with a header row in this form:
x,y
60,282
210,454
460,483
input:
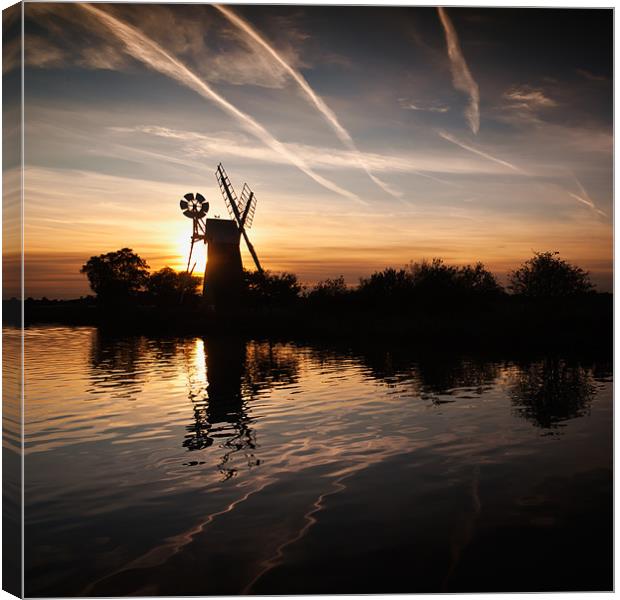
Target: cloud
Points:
x,y
584,198
591,76
529,98
314,99
12,54
435,107
461,75
209,45
522,105
145,50
499,161
197,145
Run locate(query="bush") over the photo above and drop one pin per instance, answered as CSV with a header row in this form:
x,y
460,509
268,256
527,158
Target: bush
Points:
x,y
168,287
434,278
546,275
329,290
388,285
432,281
478,280
270,288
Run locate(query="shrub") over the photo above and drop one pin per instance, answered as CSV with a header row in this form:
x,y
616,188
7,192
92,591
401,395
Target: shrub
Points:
x,y
546,275
430,281
434,278
167,287
387,285
478,280
329,289
271,288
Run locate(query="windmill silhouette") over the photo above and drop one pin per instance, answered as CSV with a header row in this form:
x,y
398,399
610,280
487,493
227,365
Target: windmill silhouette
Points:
x,y
224,270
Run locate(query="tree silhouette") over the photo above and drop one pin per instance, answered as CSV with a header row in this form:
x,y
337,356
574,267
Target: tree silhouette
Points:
x,y
546,275
167,286
116,277
271,288
430,281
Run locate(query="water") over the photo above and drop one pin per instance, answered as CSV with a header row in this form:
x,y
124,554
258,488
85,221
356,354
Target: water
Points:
x,y
211,466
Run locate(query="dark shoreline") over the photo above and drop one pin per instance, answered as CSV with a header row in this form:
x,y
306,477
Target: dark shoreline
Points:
x,y
570,324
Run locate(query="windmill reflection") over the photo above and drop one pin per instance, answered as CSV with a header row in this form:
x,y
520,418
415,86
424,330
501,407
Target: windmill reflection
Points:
x,y
551,391
236,372
220,415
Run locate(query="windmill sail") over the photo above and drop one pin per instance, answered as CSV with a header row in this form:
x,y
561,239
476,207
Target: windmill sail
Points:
x,y
239,210
228,192
248,206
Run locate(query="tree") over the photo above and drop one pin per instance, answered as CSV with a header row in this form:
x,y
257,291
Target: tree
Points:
x,y
167,286
329,289
434,279
546,275
478,280
430,282
271,288
387,285
116,277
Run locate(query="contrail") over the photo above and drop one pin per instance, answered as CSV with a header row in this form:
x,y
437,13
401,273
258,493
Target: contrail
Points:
x,y
311,95
584,198
499,161
144,49
461,76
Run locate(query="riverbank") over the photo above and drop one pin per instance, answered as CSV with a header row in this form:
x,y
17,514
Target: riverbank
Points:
x,y
504,322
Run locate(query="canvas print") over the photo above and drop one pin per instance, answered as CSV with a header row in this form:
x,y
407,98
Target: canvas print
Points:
x,y
306,299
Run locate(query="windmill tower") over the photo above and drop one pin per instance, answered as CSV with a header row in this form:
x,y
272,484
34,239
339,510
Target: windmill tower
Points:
x,y
224,270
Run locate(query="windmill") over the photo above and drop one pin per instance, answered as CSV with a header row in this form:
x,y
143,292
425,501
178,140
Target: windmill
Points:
x,y
240,210
223,276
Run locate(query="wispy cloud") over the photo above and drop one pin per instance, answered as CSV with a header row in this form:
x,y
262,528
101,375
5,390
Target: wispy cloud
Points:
x,y
461,75
209,47
523,103
499,161
435,107
144,49
591,76
526,105
314,99
528,97
424,164
585,198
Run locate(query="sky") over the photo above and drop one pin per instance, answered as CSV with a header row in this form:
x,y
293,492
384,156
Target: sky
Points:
x,y
371,136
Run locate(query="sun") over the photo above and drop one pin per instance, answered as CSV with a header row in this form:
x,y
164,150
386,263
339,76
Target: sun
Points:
x,y
181,250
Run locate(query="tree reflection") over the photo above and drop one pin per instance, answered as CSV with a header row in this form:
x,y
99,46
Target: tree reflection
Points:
x,y
431,374
443,375
115,364
119,363
270,364
551,391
